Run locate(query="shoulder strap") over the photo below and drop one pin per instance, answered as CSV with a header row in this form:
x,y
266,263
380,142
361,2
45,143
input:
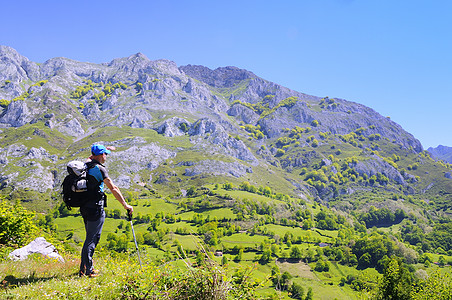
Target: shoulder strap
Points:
x,y
91,164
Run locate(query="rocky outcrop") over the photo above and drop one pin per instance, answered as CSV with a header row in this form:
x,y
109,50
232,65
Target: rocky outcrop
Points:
x,y
206,129
70,126
39,245
218,168
135,159
17,114
174,101
135,118
243,113
15,67
373,166
173,127
220,78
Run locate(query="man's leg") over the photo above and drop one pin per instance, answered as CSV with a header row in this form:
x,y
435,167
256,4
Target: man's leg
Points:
x,y
93,232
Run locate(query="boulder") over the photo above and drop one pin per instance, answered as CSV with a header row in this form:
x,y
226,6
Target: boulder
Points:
x,y
39,245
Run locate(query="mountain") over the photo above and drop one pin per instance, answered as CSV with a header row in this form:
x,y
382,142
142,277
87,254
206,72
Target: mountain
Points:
x,y
441,152
321,190
175,127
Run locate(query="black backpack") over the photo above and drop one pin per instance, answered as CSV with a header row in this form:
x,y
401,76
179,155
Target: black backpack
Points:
x,y
75,185
76,189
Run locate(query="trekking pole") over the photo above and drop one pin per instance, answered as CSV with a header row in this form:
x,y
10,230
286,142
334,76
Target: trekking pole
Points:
x,y
129,217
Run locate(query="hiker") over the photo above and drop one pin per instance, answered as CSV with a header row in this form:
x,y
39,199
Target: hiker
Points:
x,y
93,211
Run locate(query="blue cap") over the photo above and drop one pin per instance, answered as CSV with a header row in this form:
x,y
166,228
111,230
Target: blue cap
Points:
x,y
98,149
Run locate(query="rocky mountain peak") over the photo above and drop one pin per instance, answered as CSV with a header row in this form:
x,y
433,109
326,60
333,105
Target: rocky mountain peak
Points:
x,y
15,67
138,58
441,152
223,77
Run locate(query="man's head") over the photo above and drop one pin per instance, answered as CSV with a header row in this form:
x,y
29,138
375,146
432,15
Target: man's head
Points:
x,y
98,149
99,152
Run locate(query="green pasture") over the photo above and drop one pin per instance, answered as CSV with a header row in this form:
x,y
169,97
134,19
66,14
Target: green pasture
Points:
x,y
243,239
306,235
142,206
218,213
246,195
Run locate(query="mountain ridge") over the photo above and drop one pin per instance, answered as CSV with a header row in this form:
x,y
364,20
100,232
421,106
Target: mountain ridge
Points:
x,y
441,152
227,114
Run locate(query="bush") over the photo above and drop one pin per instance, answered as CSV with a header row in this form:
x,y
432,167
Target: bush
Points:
x,y
4,103
280,152
315,123
16,223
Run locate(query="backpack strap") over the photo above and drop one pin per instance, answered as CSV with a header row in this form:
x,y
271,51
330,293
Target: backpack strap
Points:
x,y
94,189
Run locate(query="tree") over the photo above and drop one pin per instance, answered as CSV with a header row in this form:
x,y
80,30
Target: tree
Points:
x,y
266,256
116,213
4,103
238,257
296,291
364,261
436,286
224,260
441,261
310,294
284,281
295,252
396,282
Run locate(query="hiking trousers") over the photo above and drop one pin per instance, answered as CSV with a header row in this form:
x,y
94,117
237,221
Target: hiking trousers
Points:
x,y
93,231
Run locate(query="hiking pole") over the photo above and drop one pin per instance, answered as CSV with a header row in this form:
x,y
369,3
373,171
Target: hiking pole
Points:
x,y
129,217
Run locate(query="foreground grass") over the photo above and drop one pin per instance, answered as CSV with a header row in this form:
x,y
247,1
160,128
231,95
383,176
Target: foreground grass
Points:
x,y
121,278
41,278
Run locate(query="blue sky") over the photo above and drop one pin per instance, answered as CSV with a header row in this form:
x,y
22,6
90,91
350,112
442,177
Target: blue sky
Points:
x,y
393,56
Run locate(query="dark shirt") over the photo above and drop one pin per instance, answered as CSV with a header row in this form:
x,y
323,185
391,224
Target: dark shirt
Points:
x,y
97,174
94,207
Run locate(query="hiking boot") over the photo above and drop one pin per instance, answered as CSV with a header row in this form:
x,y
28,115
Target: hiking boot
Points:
x,y
94,273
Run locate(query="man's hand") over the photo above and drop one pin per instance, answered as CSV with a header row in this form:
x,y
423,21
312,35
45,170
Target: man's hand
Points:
x,y
128,207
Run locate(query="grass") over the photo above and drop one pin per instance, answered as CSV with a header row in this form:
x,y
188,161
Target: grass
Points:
x,y
242,239
121,277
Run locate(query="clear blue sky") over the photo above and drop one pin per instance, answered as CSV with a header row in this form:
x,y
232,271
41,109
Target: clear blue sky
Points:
x,y
394,56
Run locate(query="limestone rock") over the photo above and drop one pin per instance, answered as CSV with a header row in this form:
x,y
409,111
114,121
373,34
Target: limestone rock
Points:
x,y
377,165
70,126
218,168
17,114
173,127
39,245
216,134
243,113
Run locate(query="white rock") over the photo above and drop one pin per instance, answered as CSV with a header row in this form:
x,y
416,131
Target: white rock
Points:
x,y
39,245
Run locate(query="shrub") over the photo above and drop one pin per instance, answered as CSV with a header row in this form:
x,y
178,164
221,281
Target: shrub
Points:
x,y
315,123
16,223
280,152
4,103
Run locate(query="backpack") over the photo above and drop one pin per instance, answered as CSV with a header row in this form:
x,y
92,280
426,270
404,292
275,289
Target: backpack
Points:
x,y
75,185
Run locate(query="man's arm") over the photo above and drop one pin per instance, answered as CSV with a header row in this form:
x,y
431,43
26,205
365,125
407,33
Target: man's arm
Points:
x,y
117,193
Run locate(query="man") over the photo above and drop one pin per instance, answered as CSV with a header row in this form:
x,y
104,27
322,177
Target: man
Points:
x,y
93,211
